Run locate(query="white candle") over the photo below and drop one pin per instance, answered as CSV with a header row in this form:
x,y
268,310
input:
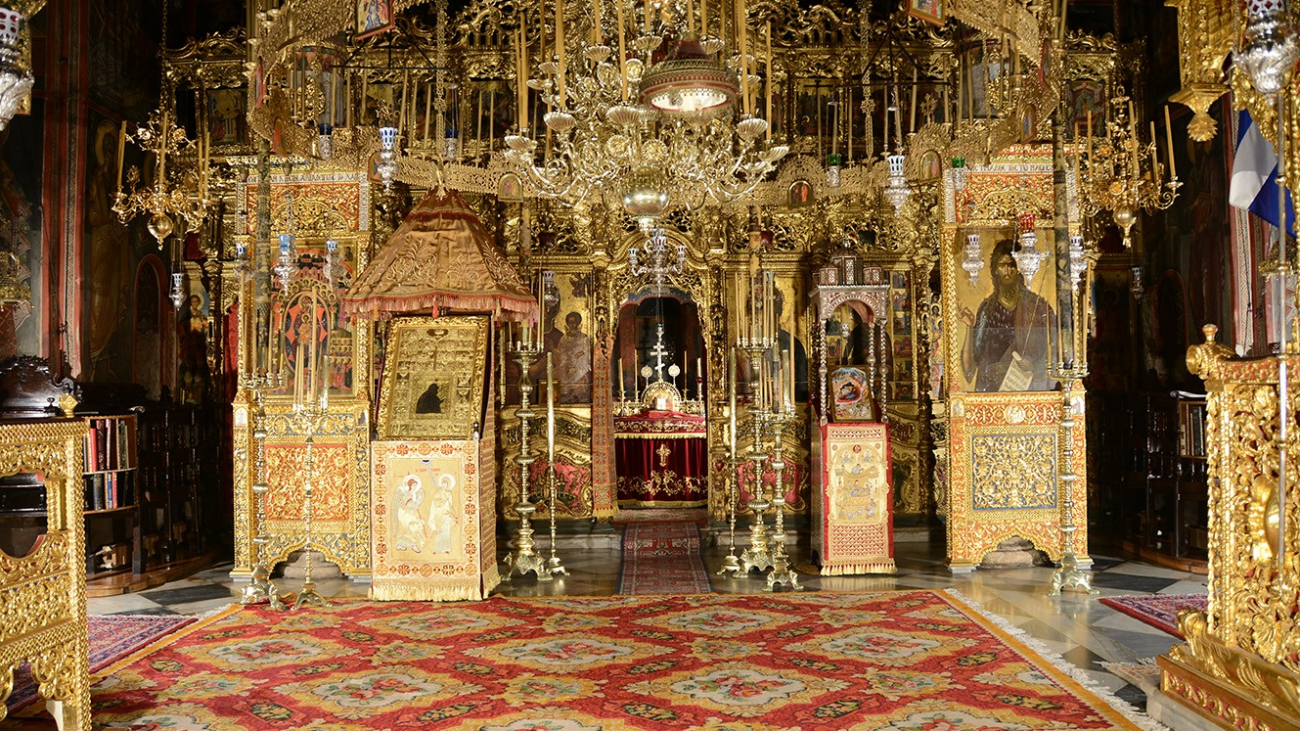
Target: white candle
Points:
x,y
550,410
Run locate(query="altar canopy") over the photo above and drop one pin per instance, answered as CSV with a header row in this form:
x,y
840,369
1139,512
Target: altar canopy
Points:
x,y
441,257
661,459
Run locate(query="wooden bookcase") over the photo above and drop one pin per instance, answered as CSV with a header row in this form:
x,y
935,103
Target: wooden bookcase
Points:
x,y
110,500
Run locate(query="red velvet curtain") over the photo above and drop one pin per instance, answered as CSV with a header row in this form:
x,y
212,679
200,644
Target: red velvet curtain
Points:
x,y
667,471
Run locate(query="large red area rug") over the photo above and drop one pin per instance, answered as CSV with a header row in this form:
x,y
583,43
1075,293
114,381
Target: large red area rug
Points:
x,y
1158,610
662,558
902,661
112,638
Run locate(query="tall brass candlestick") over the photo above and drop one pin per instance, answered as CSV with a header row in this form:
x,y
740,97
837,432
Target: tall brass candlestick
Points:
x,y
523,557
554,565
730,563
781,572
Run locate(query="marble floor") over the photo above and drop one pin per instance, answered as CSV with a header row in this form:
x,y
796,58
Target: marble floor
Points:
x,y
1077,627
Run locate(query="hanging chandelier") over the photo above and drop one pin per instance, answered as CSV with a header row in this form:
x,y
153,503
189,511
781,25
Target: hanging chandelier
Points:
x,y
655,253
166,204
16,78
1122,174
646,132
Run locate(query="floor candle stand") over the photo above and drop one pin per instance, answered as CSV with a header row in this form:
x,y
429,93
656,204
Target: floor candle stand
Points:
x,y
309,416
523,557
260,588
781,572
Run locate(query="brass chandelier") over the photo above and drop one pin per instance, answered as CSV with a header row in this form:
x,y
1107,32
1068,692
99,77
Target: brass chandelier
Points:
x,y
1122,174
647,130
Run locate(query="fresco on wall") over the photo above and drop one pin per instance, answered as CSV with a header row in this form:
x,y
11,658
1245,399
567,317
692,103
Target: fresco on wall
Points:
x,y
20,229
108,255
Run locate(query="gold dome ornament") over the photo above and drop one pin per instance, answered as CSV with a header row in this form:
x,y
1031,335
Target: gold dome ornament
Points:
x,y
161,227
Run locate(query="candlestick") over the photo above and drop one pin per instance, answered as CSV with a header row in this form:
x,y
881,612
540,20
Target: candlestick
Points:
x,y
559,44
1090,160
1169,140
768,81
401,116
1154,146
1133,135
731,388
520,81
428,108
162,147
744,67
622,49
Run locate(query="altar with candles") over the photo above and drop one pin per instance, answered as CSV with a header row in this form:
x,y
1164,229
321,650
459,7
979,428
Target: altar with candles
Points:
x,y
660,431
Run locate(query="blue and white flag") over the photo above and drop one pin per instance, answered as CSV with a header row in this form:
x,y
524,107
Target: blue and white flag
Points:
x,y
1254,175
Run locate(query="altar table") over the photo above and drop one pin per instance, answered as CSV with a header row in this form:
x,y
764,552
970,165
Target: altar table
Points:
x,y
661,460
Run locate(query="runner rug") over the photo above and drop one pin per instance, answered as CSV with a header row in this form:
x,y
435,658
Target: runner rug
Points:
x,y
903,661
1157,610
662,558
111,638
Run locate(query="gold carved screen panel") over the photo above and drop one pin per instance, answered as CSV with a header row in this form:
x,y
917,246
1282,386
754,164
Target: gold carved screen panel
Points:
x,y
1005,461
43,594
340,485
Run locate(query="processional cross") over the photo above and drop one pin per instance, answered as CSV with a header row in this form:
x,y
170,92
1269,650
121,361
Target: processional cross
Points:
x,y
659,351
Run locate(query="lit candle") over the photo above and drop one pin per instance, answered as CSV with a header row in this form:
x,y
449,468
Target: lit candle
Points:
x,y
1169,140
550,410
121,149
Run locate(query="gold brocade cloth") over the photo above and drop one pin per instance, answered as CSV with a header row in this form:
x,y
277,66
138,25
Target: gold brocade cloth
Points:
x,y
441,257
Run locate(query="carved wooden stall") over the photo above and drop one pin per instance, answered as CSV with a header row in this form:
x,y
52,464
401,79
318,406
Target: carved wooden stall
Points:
x,y
43,593
1239,665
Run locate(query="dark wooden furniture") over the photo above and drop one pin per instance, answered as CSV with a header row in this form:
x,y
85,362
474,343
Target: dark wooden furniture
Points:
x,y
1151,484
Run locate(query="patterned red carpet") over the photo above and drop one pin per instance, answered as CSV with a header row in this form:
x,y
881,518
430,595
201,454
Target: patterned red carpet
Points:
x,y
1158,610
111,638
902,661
662,558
